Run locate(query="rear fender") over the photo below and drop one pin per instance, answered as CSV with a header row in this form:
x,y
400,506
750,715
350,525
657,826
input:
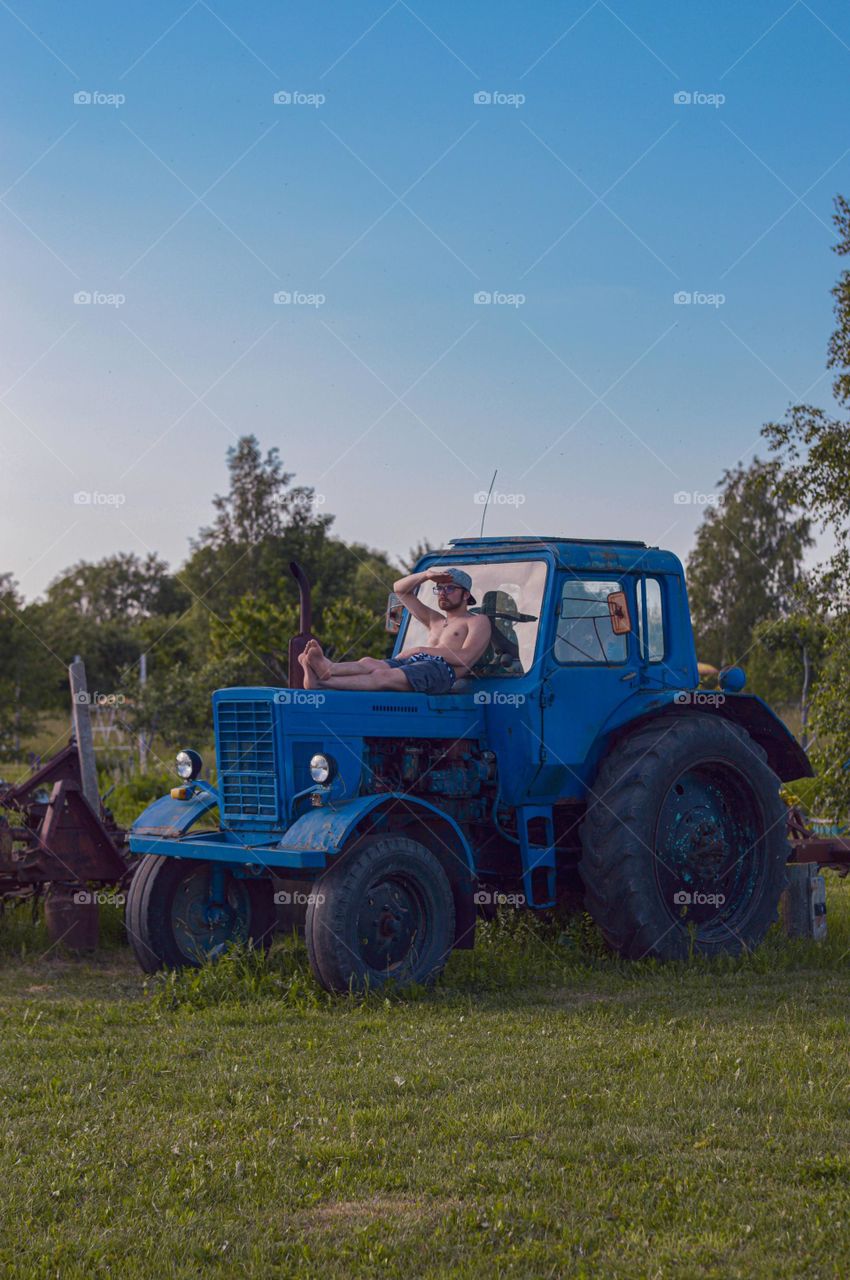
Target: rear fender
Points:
x,y
785,756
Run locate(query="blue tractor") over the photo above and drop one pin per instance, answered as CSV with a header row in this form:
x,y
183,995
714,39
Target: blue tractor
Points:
x,y
580,764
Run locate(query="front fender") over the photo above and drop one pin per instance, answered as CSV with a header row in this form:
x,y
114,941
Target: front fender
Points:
x,y
326,830
172,818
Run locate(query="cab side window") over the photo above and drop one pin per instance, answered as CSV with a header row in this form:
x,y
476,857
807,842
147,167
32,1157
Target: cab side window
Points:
x,y
584,633
650,636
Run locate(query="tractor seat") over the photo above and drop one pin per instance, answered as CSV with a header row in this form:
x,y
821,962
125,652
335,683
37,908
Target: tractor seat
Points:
x,y
501,657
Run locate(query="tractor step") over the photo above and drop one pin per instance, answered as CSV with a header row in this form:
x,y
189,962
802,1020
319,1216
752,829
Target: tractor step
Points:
x,y
537,846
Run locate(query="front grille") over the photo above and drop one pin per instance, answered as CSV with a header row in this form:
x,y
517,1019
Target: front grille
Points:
x,y
246,759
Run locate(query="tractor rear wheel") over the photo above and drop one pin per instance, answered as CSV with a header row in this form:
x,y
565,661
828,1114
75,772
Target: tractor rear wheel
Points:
x,y
684,843
383,911
181,912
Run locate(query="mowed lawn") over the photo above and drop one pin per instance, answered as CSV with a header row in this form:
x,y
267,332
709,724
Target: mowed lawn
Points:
x,y
546,1111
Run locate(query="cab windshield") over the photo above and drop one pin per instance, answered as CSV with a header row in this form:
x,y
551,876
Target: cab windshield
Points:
x,y
510,594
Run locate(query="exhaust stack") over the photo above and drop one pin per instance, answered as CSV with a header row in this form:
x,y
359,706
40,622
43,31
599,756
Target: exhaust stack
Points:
x,y
298,643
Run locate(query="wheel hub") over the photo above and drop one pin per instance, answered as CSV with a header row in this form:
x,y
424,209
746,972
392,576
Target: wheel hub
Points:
x,y
706,848
388,924
202,926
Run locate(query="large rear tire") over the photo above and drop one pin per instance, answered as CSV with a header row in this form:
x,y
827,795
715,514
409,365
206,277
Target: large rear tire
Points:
x,y
175,919
684,843
383,911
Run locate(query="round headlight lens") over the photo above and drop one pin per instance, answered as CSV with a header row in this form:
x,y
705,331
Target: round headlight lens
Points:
x,y
321,768
188,764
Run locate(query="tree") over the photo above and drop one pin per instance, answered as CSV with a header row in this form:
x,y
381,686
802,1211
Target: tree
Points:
x,y
787,660
16,685
224,619
109,613
260,521
746,563
257,634
123,587
813,448
423,547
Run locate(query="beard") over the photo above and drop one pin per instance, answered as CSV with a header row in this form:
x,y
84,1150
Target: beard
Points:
x,y
450,606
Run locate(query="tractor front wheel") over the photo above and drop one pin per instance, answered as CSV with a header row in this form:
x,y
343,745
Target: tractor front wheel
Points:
x,y
181,912
383,911
684,843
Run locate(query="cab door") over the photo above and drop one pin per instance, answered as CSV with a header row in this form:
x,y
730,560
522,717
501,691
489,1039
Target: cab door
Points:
x,y
590,671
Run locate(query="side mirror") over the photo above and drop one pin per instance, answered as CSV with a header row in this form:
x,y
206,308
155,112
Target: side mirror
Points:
x,y
618,608
394,615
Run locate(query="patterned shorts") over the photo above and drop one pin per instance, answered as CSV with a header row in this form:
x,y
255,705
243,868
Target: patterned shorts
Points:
x,y
426,673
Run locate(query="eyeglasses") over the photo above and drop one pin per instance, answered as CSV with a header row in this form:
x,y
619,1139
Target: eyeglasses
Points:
x,y
441,588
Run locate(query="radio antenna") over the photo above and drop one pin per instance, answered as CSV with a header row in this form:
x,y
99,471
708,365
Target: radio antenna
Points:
x,y
487,504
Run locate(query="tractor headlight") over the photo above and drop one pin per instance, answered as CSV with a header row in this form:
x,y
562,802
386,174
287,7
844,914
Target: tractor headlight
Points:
x,y
189,764
322,768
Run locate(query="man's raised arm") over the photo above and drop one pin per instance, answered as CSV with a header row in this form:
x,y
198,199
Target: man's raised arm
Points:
x,y
405,589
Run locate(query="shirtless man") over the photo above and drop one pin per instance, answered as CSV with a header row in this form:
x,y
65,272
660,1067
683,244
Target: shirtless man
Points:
x,y
456,640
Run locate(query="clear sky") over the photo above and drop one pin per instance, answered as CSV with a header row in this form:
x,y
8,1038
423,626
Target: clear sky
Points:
x,y
381,197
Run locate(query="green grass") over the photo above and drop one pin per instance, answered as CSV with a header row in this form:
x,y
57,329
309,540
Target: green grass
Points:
x,y
547,1110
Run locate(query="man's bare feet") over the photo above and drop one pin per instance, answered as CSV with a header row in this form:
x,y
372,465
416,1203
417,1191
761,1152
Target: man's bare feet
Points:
x,y
311,680
315,658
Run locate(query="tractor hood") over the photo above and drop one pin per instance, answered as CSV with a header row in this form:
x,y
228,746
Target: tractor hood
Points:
x,y
266,737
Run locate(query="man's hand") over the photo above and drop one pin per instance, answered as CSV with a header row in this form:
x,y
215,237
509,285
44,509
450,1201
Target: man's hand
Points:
x,y
405,589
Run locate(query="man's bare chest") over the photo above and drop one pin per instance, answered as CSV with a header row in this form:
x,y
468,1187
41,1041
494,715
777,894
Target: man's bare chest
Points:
x,y
448,633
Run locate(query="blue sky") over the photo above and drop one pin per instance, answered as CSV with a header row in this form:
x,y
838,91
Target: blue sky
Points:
x,y
582,198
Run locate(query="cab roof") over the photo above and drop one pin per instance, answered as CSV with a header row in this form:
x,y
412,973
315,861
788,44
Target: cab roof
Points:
x,y
536,539
596,554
